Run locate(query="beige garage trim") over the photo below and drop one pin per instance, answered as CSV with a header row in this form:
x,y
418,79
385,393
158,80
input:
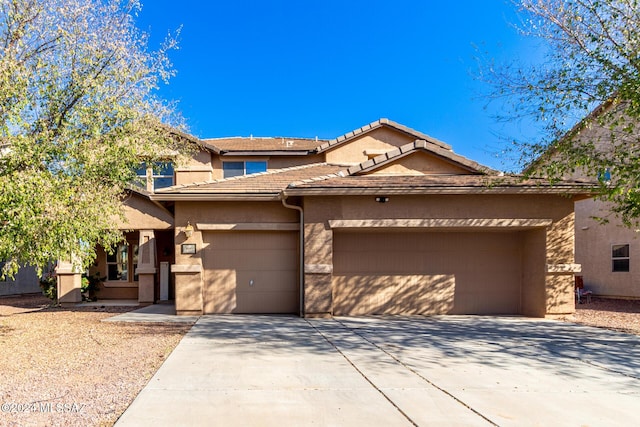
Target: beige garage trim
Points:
x,y
244,226
388,272
250,272
512,223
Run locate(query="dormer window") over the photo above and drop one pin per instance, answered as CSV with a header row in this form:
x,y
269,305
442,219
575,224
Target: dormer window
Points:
x,y
231,169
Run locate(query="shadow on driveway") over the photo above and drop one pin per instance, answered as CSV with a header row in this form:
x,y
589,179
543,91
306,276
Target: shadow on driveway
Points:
x,y
441,370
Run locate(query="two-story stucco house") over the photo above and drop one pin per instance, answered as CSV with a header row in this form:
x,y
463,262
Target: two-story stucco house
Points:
x,y
382,220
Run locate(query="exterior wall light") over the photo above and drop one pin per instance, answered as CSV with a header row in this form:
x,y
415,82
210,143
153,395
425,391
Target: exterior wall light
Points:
x,y
188,230
382,199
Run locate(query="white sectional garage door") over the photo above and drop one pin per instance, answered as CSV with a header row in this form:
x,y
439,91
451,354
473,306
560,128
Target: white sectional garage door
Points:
x,y
385,272
250,272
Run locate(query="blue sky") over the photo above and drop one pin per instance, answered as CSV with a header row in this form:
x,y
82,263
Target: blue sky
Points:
x,y
322,68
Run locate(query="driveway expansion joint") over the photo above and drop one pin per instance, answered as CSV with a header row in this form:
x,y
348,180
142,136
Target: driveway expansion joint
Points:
x,y
413,371
353,365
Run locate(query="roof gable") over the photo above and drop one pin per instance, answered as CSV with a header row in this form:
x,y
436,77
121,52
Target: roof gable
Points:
x,y
381,123
420,163
432,160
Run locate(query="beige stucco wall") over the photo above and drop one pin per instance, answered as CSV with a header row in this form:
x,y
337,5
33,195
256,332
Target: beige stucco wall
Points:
x,y
420,164
593,251
189,268
197,168
143,214
546,293
353,152
273,162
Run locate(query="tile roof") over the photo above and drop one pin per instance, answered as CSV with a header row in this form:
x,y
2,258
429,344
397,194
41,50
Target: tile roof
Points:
x,y
404,183
263,144
270,182
479,179
380,123
257,144
398,153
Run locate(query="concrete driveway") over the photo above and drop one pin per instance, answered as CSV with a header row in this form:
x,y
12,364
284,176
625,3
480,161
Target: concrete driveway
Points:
x,y
388,371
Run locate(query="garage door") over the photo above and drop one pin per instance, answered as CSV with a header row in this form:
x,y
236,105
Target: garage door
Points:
x,y
426,273
250,272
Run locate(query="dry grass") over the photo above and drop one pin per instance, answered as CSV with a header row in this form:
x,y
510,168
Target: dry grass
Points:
x,y
52,357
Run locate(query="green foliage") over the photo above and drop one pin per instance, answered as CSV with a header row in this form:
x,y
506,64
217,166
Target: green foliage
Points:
x,y
77,115
90,284
584,96
49,285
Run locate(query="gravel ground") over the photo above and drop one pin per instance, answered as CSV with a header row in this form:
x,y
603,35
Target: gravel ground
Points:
x,y
64,367
619,315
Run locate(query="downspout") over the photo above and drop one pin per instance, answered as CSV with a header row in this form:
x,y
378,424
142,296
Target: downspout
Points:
x,y
301,243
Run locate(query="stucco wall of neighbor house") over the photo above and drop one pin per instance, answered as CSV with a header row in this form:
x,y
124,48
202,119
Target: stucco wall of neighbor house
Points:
x,y
548,292
594,242
353,152
192,293
25,282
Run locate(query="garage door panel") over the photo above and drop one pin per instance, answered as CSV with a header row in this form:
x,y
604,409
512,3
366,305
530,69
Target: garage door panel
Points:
x,y
426,273
265,302
274,259
246,241
250,272
402,294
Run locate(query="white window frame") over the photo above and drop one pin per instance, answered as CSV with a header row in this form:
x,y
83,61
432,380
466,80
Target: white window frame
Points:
x,y
620,258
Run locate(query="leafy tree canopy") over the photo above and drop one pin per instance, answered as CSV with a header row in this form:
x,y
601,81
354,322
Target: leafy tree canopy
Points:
x,y
77,115
584,96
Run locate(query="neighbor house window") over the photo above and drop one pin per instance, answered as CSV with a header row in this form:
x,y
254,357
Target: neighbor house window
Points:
x,y
161,175
620,258
122,263
231,169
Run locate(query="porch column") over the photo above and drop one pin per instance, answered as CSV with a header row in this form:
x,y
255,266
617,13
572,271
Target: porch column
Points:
x,y
69,283
146,270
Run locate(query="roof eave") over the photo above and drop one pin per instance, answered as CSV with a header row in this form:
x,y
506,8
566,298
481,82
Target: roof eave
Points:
x,y
337,191
199,197
265,153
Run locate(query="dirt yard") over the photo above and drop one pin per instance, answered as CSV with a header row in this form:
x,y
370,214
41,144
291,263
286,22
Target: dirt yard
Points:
x,y
62,367
619,315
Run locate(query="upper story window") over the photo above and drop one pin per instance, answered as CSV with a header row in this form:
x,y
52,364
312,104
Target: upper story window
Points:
x,y
619,258
604,175
158,175
230,169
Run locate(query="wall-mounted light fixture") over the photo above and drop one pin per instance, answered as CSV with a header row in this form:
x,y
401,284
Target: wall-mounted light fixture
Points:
x,y
188,230
382,199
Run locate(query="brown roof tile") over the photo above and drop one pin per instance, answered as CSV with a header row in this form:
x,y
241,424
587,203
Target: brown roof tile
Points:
x,y
379,123
454,183
264,144
272,181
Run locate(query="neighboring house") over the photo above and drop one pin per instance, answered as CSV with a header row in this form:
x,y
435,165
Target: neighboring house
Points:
x,y
25,282
382,220
609,252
